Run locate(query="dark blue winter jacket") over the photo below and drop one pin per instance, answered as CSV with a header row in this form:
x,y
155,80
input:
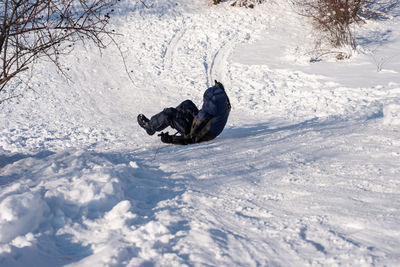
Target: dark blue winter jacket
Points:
x,y
216,107
211,119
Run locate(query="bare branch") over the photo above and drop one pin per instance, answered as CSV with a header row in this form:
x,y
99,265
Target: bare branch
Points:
x,y
335,20
9,98
32,29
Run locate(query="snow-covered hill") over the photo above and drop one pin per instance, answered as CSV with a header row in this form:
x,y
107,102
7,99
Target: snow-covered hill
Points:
x,y
307,171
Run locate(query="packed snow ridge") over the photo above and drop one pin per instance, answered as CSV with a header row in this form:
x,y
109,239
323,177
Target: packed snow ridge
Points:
x,y
306,172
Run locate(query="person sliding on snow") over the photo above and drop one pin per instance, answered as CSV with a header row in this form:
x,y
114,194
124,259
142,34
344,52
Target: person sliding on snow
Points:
x,y
192,124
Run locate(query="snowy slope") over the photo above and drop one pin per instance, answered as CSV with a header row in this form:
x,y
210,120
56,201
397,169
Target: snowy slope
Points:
x,y
307,171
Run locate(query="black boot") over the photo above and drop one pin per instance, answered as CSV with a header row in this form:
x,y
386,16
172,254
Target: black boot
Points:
x,y
144,123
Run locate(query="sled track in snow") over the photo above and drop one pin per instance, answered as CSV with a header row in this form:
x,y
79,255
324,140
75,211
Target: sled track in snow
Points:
x,y
215,64
168,56
218,64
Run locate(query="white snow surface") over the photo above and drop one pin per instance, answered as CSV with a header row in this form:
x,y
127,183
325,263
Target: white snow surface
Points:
x,y
306,172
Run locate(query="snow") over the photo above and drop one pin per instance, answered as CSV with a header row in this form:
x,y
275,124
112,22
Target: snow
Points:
x,y
306,172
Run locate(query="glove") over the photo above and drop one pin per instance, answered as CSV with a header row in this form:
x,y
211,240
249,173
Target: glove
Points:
x,y
165,138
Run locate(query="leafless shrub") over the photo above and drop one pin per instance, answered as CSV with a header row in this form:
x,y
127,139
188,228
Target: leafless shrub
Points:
x,y
33,29
336,20
381,61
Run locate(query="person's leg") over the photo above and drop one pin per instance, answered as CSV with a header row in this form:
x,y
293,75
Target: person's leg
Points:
x,y
188,106
187,112
182,120
179,118
160,121
163,119
143,121
176,119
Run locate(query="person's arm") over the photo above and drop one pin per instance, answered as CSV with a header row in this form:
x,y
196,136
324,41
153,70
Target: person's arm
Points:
x,y
176,139
199,129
